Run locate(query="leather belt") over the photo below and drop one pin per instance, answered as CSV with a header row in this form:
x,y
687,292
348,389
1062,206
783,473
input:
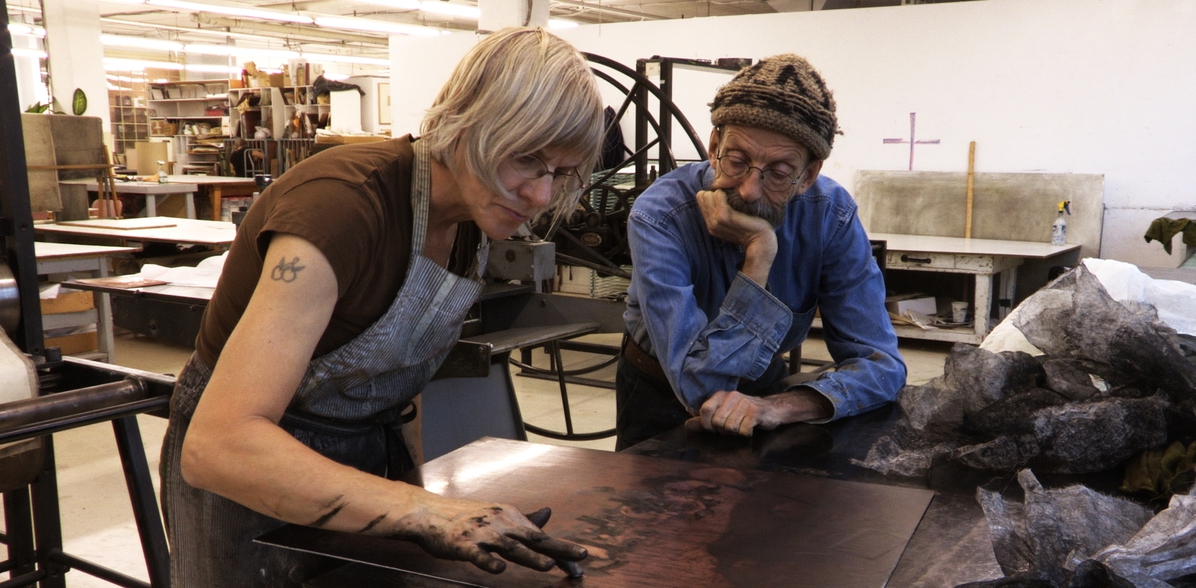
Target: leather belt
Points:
x,y
642,361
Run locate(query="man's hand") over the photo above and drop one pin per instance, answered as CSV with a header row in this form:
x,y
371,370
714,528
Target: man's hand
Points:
x,y
754,234
730,412
471,531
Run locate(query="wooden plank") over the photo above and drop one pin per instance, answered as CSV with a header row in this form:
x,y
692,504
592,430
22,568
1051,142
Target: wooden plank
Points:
x,y
1010,206
124,224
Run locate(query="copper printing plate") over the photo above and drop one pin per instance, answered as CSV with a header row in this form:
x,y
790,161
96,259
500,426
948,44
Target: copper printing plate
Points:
x,y
657,522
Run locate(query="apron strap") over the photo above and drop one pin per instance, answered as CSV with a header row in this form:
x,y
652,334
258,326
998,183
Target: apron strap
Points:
x,y
389,422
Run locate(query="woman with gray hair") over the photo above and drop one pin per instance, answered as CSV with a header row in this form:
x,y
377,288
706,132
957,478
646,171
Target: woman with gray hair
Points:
x,y
346,287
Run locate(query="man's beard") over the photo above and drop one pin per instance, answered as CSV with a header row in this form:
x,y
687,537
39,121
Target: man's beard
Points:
x,y
761,208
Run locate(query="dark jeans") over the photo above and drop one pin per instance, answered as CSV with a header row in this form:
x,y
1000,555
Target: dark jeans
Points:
x,y
644,406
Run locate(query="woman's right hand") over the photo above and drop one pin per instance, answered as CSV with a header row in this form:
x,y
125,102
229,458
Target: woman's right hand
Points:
x,y
474,531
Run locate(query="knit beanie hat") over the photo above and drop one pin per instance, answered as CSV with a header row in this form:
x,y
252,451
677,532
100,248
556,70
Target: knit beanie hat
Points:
x,y
782,93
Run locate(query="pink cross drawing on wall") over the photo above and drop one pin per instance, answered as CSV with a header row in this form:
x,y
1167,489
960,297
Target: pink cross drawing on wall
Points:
x,y
911,141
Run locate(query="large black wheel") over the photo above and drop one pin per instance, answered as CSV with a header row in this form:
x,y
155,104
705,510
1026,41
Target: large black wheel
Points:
x,y
594,235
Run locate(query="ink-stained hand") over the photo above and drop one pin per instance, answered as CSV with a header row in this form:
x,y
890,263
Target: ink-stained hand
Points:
x,y
728,224
476,531
730,412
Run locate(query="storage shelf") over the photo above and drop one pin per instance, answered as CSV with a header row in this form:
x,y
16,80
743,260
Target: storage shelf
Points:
x,y
219,99
204,116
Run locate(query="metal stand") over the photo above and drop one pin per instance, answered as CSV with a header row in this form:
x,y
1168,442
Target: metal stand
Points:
x,y
556,371
562,376
32,516
73,393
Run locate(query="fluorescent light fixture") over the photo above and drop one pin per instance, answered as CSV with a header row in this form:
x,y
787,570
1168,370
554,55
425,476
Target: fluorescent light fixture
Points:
x,y
448,9
238,51
140,42
36,53
117,64
560,23
232,10
26,30
352,59
375,26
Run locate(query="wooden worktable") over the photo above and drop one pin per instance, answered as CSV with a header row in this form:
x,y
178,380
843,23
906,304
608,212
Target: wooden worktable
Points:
x,y
985,260
216,188
61,258
151,191
182,230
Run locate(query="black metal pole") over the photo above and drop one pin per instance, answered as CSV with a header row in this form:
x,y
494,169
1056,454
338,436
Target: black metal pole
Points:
x,y
16,219
145,505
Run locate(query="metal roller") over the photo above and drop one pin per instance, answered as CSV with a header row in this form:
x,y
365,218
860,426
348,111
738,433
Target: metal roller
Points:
x,y
10,302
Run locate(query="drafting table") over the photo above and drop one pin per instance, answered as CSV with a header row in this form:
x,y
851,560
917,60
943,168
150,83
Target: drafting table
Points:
x,y
218,187
61,258
188,231
151,191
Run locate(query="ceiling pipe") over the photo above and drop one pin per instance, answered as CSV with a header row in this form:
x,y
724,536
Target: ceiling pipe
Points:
x,y
308,31
609,10
213,32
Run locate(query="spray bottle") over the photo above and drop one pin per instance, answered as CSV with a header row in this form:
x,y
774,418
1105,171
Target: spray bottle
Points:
x,y
1059,228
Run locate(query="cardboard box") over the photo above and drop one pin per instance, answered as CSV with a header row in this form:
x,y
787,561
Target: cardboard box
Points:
x,y
75,343
276,80
919,303
68,301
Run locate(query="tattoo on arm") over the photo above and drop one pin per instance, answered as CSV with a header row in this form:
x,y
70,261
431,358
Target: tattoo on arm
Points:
x,y
286,271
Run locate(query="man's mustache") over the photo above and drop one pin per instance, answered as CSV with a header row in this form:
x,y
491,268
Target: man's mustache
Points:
x,y
761,208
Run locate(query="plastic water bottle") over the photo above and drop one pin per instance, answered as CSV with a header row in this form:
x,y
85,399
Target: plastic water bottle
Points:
x,y
161,172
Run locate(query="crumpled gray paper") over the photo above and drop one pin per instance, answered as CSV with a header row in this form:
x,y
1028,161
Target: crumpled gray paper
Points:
x,y
1044,541
1075,537
1114,382
1077,318
1164,549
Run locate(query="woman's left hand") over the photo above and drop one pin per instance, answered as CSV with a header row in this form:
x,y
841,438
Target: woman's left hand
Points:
x,y
473,531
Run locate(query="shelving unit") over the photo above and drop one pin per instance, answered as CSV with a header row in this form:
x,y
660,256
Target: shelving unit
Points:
x,y
195,115
129,115
192,103
289,112
195,154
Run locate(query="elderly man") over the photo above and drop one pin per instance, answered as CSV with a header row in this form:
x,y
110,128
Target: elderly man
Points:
x,y
733,256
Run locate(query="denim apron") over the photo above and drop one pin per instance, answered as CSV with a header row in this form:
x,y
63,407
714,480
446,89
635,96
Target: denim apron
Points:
x,y
347,407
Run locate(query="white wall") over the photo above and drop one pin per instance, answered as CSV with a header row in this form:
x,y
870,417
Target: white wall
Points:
x,y
77,57
30,89
1079,86
370,107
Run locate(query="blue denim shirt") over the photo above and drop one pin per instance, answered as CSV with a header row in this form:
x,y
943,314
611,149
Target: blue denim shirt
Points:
x,y
713,328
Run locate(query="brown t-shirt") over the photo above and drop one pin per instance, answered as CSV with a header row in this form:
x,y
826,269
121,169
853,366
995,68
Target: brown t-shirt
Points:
x,y
353,203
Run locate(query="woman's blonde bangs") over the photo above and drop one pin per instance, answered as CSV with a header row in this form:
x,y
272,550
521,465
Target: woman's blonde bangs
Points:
x,y
520,90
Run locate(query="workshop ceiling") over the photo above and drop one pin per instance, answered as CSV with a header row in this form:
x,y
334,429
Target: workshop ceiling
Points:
x,y
188,22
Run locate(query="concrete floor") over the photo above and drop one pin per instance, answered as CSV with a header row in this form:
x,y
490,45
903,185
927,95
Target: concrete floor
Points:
x,y
98,522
